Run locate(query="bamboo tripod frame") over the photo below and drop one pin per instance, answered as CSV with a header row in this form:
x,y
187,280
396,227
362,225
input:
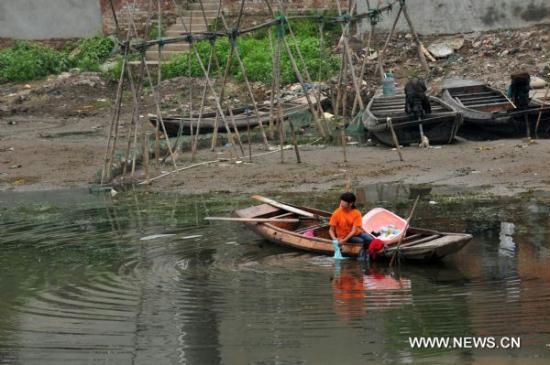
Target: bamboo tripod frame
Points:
x,y
135,83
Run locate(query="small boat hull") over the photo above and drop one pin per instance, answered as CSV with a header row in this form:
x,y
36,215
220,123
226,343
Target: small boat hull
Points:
x,y
418,244
242,119
440,126
488,112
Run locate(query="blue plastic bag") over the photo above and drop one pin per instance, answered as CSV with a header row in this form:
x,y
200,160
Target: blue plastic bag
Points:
x,y
337,252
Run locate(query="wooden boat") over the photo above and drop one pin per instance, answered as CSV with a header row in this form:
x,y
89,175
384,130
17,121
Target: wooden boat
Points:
x,y
242,116
313,234
440,126
485,109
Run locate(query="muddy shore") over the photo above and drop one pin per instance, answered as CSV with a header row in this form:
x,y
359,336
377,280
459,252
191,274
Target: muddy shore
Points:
x,y
43,154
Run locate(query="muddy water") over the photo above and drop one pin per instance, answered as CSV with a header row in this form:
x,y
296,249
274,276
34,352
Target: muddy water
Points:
x,y
142,279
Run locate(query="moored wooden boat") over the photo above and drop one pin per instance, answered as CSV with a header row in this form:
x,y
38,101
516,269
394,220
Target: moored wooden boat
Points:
x,y
242,116
312,235
486,109
440,126
478,102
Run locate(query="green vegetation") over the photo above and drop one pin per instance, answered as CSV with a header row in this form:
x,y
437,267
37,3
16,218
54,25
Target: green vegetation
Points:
x,y
255,51
30,60
92,52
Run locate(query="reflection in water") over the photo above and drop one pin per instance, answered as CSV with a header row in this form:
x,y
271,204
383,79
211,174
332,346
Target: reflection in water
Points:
x,y
357,290
80,285
348,289
506,246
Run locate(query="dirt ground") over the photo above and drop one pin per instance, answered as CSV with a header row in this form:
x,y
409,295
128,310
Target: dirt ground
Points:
x,y
53,135
51,154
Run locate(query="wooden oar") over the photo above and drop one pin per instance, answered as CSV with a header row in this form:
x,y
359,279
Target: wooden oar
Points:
x,y
404,231
284,220
286,207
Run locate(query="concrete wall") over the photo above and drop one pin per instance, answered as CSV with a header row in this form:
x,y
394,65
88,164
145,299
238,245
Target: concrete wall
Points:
x,y
462,16
43,19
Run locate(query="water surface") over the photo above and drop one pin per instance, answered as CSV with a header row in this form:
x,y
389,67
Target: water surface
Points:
x,y
142,278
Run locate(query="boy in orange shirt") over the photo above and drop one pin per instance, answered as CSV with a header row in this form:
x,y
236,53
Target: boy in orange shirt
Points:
x,y
345,224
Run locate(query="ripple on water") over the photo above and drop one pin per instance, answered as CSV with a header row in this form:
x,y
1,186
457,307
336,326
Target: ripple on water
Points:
x,y
83,285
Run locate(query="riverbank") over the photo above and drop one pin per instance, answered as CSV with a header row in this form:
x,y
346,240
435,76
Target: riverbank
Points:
x,y
44,154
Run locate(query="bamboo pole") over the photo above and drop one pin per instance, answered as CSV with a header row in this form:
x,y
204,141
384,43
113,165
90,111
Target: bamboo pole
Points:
x,y
396,252
217,99
195,141
156,97
148,181
343,139
294,141
141,126
145,154
394,137
135,107
248,136
347,50
117,27
364,63
379,66
220,9
254,220
248,87
111,142
416,38
299,75
134,121
540,111
280,42
272,94
222,90
339,85
306,92
159,55
276,84
308,78
235,129
296,46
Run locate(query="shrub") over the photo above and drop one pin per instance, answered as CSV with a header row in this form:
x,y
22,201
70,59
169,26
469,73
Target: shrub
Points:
x,y
28,61
92,52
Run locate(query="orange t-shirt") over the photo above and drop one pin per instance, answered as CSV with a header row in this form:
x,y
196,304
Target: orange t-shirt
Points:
x,y
343,221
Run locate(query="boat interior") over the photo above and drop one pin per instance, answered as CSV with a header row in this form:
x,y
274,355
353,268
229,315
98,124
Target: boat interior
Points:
x,y
482,98
394,106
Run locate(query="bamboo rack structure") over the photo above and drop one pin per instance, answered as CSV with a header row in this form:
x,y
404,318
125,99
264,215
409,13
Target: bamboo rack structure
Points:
x,y
132,43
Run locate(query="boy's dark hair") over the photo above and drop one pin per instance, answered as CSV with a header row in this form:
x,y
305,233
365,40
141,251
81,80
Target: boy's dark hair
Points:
x,y
349,198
